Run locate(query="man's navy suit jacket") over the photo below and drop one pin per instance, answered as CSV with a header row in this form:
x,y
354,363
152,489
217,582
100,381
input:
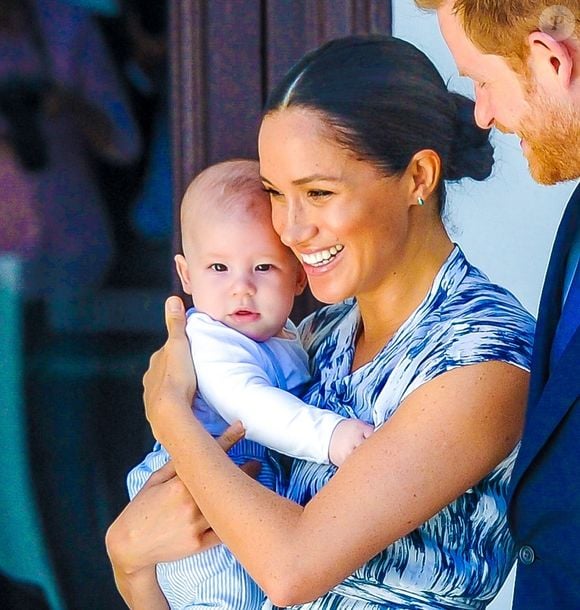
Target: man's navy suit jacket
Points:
x,y
544,509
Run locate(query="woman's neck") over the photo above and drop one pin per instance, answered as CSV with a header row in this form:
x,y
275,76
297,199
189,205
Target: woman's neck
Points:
x,y
384,310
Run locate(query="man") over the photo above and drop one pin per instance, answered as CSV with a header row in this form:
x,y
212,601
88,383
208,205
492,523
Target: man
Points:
x,y
524,57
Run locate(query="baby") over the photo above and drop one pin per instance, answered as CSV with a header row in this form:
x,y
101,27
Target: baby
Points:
x,y
249,362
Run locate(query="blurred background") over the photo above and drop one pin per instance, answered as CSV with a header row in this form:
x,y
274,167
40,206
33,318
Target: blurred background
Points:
x,y
108,108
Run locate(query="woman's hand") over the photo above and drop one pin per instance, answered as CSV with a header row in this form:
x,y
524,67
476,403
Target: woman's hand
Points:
x,y
169,382
162,523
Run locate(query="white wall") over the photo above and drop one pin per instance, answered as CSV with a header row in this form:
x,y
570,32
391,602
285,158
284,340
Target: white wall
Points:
x,y
505,225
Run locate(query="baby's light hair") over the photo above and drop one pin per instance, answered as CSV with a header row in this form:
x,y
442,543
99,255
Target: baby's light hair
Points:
x,y
226,190
232,187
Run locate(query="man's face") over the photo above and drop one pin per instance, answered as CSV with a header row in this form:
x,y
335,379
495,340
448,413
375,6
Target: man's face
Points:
x,y
516,104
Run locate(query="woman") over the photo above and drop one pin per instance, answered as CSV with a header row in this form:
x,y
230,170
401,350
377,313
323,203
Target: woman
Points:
x,y
354,147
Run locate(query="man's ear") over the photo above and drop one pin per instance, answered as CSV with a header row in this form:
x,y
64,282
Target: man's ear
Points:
x,y
300,280
551,61
183,272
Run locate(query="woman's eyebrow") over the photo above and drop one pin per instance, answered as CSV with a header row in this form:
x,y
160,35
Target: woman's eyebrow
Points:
x,y
315,178
306,179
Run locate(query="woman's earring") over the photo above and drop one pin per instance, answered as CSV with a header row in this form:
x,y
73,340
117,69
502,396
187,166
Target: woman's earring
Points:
x,y
420,201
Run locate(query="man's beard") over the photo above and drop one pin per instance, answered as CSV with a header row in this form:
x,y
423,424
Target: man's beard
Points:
x,y
551,131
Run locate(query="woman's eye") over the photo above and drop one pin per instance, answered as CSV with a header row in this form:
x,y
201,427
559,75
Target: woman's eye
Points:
x,y
264,267
318,194
273,193
218,267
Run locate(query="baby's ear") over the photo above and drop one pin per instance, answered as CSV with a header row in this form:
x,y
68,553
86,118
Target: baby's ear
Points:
x,y
183,272
300,280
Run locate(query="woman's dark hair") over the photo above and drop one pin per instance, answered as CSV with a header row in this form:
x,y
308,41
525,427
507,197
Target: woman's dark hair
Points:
x,y
385,101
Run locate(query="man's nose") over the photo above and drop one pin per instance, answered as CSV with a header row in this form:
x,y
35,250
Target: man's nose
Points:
x,y
483,111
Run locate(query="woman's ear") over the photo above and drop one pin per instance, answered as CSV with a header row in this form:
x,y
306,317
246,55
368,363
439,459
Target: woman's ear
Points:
x,y
300,280
551,60
183,272
424,173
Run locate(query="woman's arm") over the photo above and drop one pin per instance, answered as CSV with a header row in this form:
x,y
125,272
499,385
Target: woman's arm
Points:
x,y
442,440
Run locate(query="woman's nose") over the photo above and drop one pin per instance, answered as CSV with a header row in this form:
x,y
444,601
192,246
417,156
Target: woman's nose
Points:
x,y
293,225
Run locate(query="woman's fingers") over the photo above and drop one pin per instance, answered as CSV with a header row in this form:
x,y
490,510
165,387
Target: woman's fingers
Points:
x,y
164,474
174,318
170,378
208,540
252,468
234,433
177,365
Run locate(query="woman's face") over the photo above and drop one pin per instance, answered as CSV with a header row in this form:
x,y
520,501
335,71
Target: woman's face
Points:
x,y
346,222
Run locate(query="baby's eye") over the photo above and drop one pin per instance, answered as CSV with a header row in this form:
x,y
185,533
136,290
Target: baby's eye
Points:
x,y
218,267
264,267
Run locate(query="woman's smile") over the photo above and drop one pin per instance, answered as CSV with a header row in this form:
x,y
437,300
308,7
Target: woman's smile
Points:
x,y
321,258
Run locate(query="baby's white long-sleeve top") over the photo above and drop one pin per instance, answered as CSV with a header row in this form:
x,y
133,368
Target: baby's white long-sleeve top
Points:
x,y
255,382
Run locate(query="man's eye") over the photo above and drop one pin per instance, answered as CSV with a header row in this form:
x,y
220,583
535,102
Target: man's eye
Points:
x,y
264,267
218,267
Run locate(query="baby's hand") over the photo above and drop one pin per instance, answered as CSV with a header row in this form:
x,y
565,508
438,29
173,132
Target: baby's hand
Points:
x,y
347,436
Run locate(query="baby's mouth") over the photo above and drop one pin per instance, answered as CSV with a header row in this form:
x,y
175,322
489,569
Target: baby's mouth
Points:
x,y
245,314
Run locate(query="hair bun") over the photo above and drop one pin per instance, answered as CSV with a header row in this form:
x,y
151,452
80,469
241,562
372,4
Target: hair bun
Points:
x,y
471,153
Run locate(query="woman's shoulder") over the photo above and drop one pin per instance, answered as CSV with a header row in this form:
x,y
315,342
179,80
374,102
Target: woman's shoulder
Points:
x,y
474,319
477,297
462,289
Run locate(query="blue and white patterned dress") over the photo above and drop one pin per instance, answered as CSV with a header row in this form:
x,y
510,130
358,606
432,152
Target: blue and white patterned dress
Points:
x,y
460,557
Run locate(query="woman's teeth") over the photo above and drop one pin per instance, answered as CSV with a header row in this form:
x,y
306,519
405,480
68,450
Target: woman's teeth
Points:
x,y
317,259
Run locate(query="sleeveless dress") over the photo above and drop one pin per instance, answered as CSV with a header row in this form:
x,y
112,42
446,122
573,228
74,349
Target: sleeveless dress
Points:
x,y
461,556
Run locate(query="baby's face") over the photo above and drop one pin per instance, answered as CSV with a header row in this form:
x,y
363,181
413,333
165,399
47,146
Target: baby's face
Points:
x,y
241,274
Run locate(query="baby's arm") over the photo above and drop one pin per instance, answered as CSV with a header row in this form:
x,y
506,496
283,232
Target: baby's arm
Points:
x,y
232,378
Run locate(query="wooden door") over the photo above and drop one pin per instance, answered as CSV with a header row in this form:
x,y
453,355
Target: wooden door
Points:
x,y
225,57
